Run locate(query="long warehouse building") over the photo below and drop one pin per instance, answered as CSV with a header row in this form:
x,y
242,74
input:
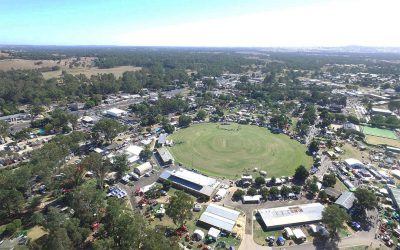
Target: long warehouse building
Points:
x,y
192,182
280,217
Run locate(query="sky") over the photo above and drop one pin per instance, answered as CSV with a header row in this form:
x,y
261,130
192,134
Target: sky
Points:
x,y
204,23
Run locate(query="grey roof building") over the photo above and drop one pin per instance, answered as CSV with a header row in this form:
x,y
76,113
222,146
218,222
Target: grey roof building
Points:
x,y
346,200
192,182
165,156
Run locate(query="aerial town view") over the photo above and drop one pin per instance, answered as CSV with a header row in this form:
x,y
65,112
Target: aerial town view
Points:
x,y
159,125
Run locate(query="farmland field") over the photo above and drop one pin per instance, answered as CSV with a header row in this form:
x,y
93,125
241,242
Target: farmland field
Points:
x,y
84,66
230,150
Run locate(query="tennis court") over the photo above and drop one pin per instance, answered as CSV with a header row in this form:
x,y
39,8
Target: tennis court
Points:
x,y
386,133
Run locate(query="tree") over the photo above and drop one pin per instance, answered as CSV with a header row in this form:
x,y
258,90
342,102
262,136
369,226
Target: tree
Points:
x,y
296,189
366,199
313,187
264,192
238,194
169,128
87,202
145,154
4,126
251,191
184,121
272,181
301,174
274,191
314,146
329,180
323,195
285,190
109,128
167,185
35,110
95,163
120,165
58,239
11,202
334,218
260,180
201,115
180,208
154,192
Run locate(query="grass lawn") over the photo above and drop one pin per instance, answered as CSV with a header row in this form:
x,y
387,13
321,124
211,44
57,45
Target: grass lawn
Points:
x,y
379,132
375,140
340,186
230,150
36,232
350,151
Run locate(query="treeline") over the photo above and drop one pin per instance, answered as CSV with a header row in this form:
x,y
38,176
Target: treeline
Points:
x,y
29,87
205,61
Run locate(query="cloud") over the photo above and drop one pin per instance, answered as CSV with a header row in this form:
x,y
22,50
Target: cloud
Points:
x,y
333,23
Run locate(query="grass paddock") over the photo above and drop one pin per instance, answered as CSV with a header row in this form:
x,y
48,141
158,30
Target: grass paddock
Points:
x,y
229,150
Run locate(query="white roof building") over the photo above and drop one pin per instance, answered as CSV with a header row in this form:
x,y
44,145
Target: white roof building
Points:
x,y
142,169
115,112
133,150
220,217
291,215
353,163
213,233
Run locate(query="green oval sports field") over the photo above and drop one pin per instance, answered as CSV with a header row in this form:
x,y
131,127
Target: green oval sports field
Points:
x,y
228,150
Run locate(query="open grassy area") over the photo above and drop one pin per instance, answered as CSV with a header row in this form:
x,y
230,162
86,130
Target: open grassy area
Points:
x,y
117,71
229,150
375,140
349,151
379,132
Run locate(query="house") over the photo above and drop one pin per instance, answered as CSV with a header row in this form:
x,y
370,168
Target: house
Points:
x,y
192,182
346,200
280,217
333,193
219,217
133,152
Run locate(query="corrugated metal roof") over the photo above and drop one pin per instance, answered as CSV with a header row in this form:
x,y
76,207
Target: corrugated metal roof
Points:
x,y
346,200
223,212
220,217
281,216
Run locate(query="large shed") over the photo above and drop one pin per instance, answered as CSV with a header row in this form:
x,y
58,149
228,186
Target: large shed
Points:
x,y
194,183
346,200
219,217
142,169
280,217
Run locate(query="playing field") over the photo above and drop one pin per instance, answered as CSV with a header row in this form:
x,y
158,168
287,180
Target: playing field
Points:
x,y
228,150
379,132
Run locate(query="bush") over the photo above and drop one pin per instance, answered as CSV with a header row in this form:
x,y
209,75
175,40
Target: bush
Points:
x,y
10,229
251,191
237,195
